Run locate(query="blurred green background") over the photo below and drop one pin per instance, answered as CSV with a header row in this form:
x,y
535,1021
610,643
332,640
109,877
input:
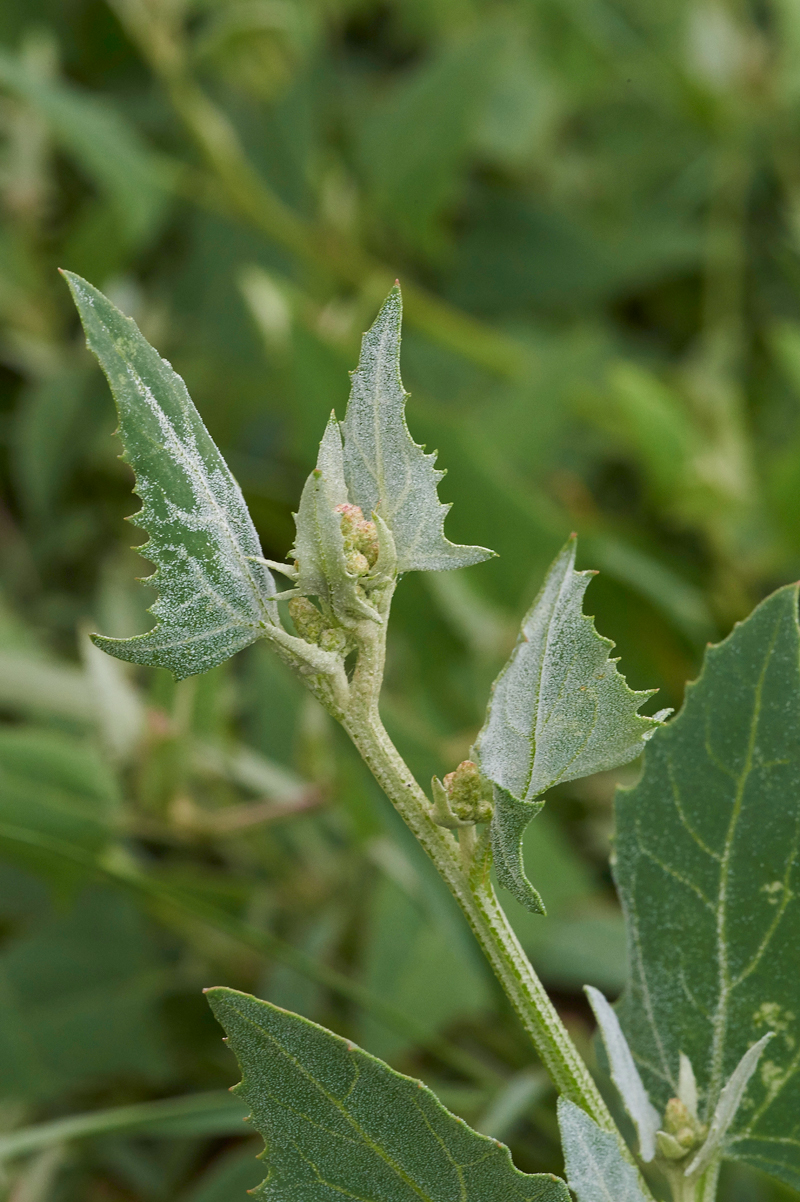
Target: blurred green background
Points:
x,y
593,207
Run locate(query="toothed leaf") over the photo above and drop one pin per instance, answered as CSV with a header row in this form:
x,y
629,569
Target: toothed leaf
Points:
x,y
212,599
339,1123
559,710
386,471
595,1169
708,870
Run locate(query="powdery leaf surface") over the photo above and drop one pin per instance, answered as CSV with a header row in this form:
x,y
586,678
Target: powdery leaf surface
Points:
x,y
708,872
212,600
559,710
386,471
338,1123
319,544
595,1169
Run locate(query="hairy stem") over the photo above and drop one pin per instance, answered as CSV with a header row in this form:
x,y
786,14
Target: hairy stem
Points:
x,y
471,888
709,1182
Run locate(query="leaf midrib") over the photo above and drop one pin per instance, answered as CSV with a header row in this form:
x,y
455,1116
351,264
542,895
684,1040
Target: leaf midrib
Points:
x,y
720,1023
189,467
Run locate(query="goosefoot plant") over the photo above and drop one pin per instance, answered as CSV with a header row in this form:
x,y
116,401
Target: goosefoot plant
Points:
x,y
706,844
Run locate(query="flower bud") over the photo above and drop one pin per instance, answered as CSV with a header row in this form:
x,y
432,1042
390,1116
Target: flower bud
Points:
x,y
682,1131
360,536
466,793
676,1116
308,621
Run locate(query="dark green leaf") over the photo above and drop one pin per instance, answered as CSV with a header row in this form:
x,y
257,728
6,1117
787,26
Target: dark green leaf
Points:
x,y
707,868
337,1122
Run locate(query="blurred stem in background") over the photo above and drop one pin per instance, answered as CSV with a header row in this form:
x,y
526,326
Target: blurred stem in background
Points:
x,y
158,29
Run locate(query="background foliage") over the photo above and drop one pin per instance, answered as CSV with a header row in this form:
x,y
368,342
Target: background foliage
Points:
x,y
594,210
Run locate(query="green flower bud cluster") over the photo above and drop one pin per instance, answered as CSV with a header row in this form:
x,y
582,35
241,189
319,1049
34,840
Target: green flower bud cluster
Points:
x,y
313,626
462,798
682,1132
360,540
466,792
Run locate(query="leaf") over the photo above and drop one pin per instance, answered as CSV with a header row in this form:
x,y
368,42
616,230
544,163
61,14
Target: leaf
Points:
x,y
594,1166
337,1122
625,1075
707,869
385,470
319,545
729,1102
213,599
559,710
509,823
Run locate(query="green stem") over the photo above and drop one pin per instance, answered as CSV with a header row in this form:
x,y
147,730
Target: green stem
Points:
x,y
472,889
708,1185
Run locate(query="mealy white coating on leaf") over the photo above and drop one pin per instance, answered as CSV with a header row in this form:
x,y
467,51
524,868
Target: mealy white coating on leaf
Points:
x,y
729,1101
213,597
340,1124
386,471
625,1074
595,1169
319,542
319,529
509,823
687,1085
559,709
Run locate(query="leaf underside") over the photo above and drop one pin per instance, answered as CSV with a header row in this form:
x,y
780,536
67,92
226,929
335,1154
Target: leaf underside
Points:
x,y
708,872
559,711
212,599
338,1123
386,471
594,1166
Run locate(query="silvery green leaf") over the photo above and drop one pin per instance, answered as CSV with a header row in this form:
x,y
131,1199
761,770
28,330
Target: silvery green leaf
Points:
x,y
386,471
687,1085
595,1168
339,1123
213,599
319,543
625,1074
708,871
559,710
728,1104
509,822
